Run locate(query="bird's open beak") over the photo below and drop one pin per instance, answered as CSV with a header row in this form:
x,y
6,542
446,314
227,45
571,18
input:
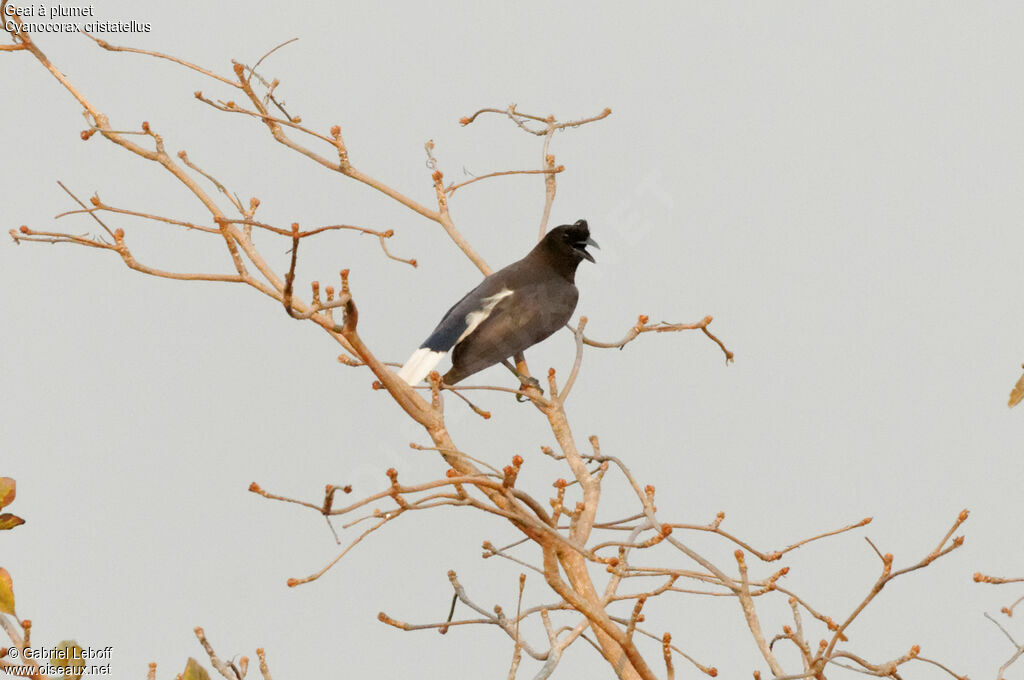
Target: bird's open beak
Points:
x,y
582,247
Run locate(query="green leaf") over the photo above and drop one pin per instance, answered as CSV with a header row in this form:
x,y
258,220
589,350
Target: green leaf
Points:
x,y
193,671
7,487
6,592
9,521
68,655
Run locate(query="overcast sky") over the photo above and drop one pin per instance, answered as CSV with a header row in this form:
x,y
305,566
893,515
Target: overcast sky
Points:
x,y
838,184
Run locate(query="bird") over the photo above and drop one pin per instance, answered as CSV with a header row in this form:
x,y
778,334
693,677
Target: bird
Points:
x,y
509,311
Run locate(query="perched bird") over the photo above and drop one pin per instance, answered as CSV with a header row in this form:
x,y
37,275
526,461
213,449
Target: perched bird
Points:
x,y
512,309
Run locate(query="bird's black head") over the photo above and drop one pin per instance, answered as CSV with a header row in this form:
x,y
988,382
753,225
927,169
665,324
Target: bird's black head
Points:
x,y
570,241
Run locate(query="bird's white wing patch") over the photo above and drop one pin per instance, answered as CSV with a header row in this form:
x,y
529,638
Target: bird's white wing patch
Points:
x,y
475,318
420,364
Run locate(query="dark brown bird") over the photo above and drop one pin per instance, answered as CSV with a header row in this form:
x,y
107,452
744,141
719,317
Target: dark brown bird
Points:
x,y
511,310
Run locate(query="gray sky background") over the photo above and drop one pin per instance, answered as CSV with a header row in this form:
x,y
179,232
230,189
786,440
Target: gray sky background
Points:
x,y
837,183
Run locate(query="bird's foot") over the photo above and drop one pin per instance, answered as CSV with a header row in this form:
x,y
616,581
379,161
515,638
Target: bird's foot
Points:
x,y
528,381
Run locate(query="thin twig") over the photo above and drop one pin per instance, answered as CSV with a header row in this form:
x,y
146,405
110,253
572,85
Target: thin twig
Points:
x,y
451,188
643,327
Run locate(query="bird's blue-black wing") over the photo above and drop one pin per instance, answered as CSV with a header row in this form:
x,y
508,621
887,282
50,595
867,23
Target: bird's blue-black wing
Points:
x,y
458,322
516,323
465,315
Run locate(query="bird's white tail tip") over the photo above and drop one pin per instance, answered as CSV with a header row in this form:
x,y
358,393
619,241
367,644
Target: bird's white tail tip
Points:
x,y
420,364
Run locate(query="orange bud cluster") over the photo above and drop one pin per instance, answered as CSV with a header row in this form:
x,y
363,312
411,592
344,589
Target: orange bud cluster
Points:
x,y
776,576
86,134
335,131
